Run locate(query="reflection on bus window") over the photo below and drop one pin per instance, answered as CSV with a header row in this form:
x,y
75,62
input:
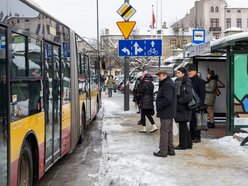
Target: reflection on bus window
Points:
x,y
18,55
34,53
25,99
19,51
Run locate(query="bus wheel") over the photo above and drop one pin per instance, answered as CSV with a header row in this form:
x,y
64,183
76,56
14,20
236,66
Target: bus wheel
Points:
x,y
25,167
83,128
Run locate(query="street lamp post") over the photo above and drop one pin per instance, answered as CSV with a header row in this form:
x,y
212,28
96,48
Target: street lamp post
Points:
x,y
97,27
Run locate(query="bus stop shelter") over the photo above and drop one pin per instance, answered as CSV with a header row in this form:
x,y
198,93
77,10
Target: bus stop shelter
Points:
x,y
230,55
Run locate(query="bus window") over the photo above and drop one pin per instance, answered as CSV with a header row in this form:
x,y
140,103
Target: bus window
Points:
x,y
34,55
18,55
3,109
25,99
66,68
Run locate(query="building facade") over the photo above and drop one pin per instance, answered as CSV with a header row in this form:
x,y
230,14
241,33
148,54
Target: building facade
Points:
x,y
216,17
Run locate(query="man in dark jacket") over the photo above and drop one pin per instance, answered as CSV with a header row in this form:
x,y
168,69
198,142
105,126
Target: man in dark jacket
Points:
x,y
199,87
166,111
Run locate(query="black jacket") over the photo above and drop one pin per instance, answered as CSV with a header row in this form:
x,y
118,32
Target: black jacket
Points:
x,y
146,92
184,95
166,99
199,87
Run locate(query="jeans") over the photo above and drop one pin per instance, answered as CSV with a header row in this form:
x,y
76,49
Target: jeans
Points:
x,y
110,90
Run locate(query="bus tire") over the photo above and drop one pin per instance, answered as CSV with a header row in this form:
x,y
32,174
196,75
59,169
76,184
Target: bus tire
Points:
x,y
83,128
25,166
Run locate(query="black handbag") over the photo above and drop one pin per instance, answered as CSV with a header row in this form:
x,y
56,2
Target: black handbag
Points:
x,y
195,101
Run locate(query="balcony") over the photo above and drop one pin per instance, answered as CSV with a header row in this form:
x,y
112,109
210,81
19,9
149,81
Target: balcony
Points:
x,y
215,29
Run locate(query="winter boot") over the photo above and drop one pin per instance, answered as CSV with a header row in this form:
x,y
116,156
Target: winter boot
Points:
x,y
171,153
143,129
154,128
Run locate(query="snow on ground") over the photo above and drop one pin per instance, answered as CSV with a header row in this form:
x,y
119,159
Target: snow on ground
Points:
x,y
127,155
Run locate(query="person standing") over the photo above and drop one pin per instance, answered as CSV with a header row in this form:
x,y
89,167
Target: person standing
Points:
x,y
184,113
136,96
102,81
211,88
110,85
199,87
166,111
146,104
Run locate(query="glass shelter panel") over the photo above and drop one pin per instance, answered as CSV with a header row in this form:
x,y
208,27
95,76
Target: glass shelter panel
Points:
x,y
240,90
3,108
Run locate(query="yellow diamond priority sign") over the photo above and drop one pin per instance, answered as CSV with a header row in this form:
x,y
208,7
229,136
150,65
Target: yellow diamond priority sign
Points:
x,y
126,27
126,11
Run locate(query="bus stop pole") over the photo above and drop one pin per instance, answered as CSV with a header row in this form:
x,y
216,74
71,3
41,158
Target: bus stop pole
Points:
x,y
126,80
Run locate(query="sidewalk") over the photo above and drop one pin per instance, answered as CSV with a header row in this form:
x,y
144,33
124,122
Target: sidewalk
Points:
x,y
127,155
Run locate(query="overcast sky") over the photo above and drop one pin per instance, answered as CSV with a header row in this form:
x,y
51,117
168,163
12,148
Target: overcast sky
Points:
x,y
80,15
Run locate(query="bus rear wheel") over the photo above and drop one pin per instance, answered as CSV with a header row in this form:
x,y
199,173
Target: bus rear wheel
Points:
x,y
25,167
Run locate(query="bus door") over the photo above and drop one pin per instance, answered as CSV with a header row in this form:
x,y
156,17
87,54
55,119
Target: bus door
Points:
x,y
52,91
87,87
3,107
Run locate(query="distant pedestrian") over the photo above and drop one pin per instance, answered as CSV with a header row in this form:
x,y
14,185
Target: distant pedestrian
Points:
x,y
184,113
110,85
102,81
166,111
146,103
211,88
199,87
136,95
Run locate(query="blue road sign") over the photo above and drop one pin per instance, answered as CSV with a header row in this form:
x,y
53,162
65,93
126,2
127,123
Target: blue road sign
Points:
x,y
198,36
149,47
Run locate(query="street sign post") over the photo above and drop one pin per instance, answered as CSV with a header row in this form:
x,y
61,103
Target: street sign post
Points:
x,y
126,11
149,47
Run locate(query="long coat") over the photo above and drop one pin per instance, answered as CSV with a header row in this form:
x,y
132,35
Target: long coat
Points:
x,y
146,91
166,99
184,95
211,87
199,87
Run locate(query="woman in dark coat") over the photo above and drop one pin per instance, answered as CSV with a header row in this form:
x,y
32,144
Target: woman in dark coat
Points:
x,y
183,114
147,108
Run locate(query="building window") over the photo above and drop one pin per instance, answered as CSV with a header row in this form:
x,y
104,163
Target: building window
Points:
x,y
173,43
216,36
228,23
216,9
239,11
239,23
212,9
228,11
183,42
214,22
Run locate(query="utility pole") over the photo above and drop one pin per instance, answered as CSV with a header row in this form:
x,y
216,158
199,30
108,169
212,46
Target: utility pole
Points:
x,y
126,80
97,27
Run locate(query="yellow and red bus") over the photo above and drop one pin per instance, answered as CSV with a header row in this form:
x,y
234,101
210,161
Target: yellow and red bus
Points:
x,y
49,91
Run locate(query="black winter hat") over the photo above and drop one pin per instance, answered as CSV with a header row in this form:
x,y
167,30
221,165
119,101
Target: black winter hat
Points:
x,y
211,72
148,77
191,67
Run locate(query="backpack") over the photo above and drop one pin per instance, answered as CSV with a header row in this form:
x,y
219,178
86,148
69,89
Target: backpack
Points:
x,y
195,102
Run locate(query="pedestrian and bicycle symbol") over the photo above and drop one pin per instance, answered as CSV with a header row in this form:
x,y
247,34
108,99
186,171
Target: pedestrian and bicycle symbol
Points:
x,y
150,47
